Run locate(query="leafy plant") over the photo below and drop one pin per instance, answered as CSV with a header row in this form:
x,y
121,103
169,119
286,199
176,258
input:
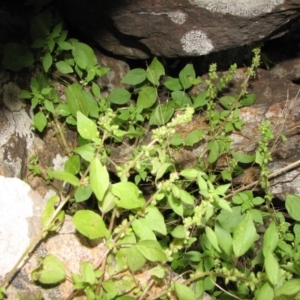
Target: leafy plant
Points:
x,y
187,225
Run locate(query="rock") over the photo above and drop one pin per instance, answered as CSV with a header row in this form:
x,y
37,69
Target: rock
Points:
x,y
140,29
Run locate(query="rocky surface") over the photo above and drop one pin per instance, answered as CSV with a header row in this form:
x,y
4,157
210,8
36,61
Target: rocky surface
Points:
x,y
141,29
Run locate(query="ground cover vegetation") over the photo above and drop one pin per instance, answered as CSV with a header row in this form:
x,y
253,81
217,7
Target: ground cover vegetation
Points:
x,y
193,232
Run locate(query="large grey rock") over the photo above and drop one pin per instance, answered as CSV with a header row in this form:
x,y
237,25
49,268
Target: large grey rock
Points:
x,y
139,29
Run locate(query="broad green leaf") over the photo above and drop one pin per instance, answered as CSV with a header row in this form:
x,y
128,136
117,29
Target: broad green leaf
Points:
x,y
200,100
161,114
272,267
158,272
49,106
292,204
108,203
176,140
116,286
224,238
228,101
230,220
64,67
84,55
289,288
50,271
48,213
186,76
89,224
155,220
224,204
178,232
147,97
194,137
270,238
83,193
47,61
155,71
186,197
183,292
40,121
142,230
244,235
65,45
181,99
173,84
87,152
135,259
72,165
96,90
248,99
162,169
25,94
88,274
62,110
76,100
243,158
135,76
213,146
175,204
266,292
119,96
151,250
99,178
189,173
129,195
212,237
86,127
64,176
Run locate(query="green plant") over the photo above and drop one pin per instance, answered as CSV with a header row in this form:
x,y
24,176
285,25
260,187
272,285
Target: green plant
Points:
x,y
187,225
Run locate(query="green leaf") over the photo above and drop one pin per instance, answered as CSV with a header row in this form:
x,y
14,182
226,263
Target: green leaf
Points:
x,y
292,204
135,259
147,97
151,250
227,101
155,220
183,292
89,224
186,197
48,213
50,271
86,151
175,204
76,100
129,195
64,67
213,146
244,236
158,272
200,100
88,274
119,96
155,71
64,176
86,127
248,100
189,173
62,110
135,76
243,158
40,121
271,238
173,84
161,114
289,288
142,230
65,45
72,165
194,137
83,193
25,94
84,55
96,90
178,232
272,267
108,203
176,140
99,178
49,106
212,237
186,76
47,61
230,220
224,239
181,99
265,292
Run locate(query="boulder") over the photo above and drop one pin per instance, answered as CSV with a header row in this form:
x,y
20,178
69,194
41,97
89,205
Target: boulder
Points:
x,y
141,29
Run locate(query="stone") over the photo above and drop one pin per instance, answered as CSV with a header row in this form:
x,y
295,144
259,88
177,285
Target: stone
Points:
x,y
141,29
